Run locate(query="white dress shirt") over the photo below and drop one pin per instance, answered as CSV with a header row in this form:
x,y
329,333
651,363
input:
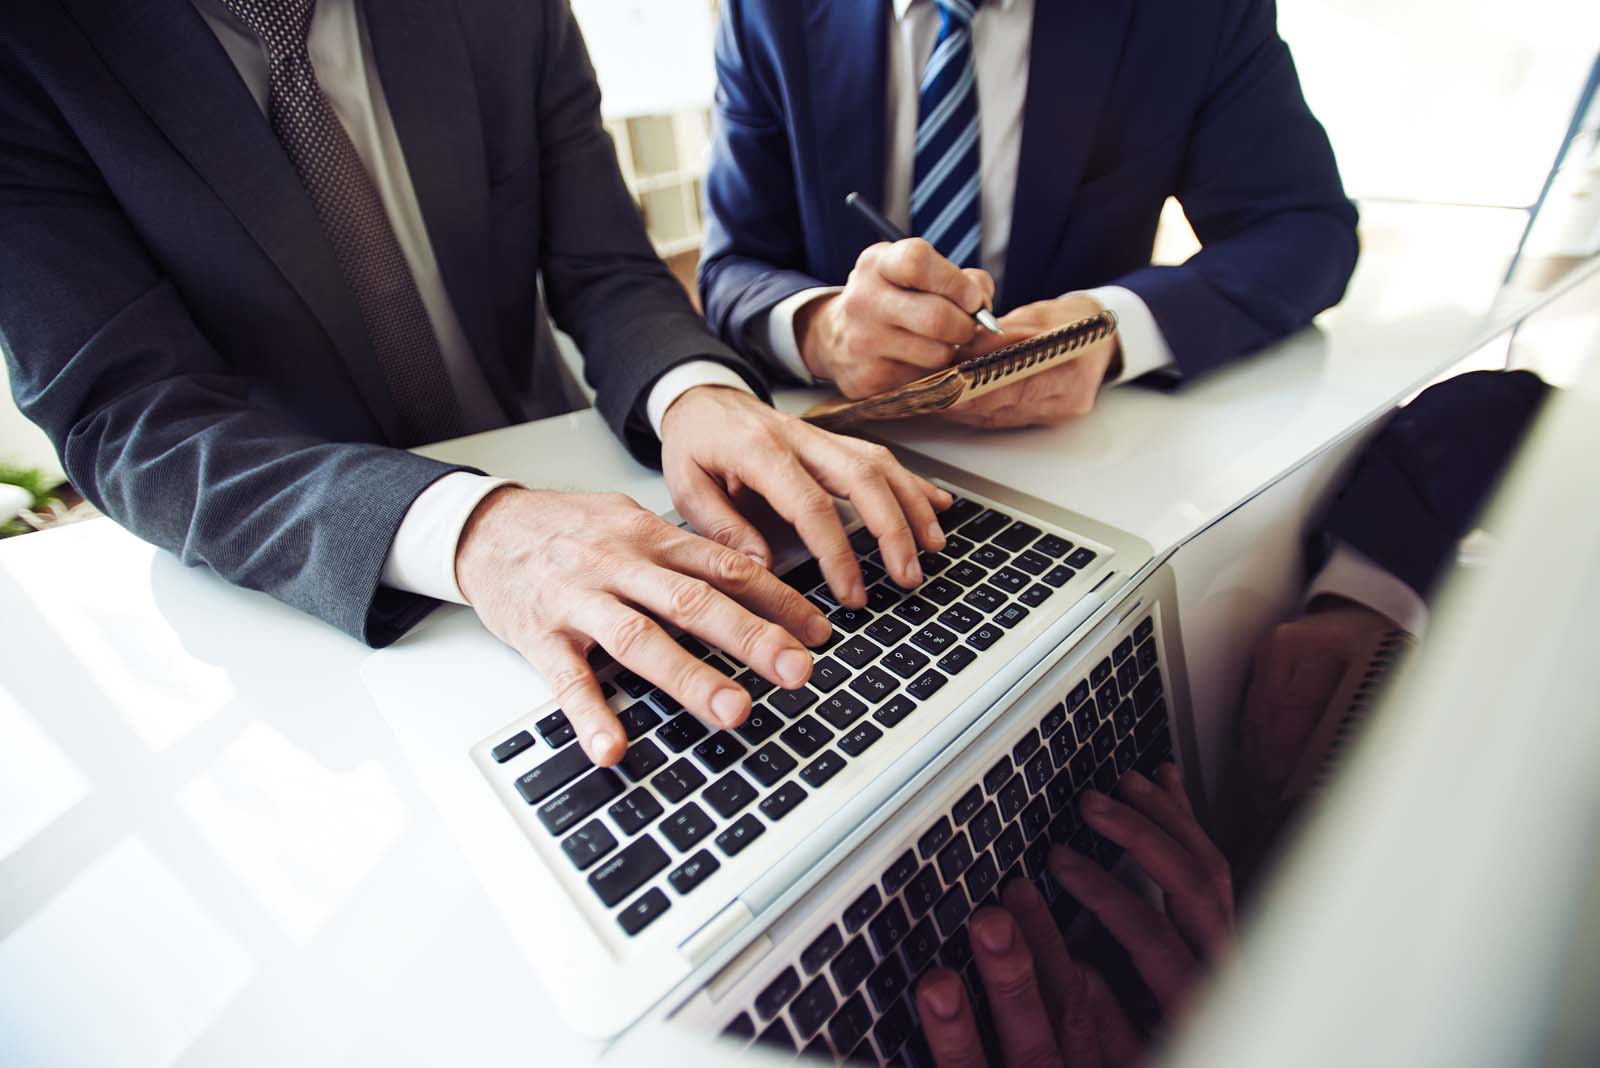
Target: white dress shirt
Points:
x,y
422,557
1355,576
1002,35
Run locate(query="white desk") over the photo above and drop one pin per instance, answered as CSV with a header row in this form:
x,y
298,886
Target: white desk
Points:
x,y
212,849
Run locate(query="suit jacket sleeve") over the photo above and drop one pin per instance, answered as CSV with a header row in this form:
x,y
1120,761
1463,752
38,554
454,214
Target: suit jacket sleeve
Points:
x,y
1261,189
605,284
150,422
753,224
1422,482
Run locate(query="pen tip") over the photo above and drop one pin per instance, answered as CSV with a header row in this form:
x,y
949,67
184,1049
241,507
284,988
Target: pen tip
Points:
x,y
987,320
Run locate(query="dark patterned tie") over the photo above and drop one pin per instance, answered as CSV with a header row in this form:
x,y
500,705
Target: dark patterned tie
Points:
x,y
353,218
945,208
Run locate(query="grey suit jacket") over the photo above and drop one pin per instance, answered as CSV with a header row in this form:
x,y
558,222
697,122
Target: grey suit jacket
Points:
x,y
176,321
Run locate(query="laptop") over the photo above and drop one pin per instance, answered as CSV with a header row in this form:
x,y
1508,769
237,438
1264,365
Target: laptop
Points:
x,y
691,873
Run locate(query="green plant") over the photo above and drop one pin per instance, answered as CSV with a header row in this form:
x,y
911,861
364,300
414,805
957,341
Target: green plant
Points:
x,y
37,483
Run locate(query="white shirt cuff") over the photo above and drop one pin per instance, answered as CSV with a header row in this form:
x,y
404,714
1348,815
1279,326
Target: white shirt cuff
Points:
x,y
684,377
1351,574
1144,347
781,340
423,556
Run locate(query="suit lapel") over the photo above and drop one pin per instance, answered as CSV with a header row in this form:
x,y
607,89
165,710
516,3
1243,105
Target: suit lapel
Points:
x,y
427,80
1073,59
846,42
174,67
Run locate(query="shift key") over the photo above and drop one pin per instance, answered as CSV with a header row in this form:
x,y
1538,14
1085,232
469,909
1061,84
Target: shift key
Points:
x,y
628,870
553,774
565,809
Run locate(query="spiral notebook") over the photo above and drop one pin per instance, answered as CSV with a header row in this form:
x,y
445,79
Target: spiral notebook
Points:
x,y
969,379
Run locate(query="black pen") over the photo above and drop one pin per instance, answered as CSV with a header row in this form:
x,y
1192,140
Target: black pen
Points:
x,y
890,232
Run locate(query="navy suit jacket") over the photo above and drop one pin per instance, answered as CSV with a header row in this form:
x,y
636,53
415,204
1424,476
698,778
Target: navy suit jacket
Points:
x,y
1128,102
175,318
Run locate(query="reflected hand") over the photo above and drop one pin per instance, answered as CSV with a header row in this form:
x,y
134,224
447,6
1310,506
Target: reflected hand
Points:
x,y
904,311
1053,396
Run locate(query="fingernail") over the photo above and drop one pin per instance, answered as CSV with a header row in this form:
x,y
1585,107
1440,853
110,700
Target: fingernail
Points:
x,y
936,533
600,745
1096,802
758,556
994,931
943,996
792,668
727,705
913,574
858,593
817,630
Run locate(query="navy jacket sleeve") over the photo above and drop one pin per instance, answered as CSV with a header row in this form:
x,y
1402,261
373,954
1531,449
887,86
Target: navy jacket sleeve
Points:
x,y
1261,189
1422,482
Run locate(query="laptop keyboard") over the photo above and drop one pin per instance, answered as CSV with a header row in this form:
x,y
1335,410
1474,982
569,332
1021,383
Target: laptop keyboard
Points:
x,y
685,797
848,992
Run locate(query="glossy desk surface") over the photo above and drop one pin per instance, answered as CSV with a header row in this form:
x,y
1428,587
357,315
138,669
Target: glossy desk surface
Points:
x,y
212,849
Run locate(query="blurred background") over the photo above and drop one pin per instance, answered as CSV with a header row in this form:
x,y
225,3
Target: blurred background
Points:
x,y
1455,103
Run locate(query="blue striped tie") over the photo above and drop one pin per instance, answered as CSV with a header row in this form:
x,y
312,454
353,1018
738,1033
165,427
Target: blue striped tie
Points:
x,y
945,208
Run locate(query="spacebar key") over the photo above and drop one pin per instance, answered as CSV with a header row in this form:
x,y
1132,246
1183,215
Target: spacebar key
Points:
x,y
553,774
628,870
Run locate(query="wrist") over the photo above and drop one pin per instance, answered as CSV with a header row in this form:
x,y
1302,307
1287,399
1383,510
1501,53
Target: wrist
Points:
x,y
693,398
479,541
815,331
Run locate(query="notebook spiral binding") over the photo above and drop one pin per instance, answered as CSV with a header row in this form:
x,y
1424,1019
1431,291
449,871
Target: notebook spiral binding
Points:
x,y
1024,354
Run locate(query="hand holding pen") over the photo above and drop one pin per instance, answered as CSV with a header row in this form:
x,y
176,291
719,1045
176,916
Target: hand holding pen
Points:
x,y
904,311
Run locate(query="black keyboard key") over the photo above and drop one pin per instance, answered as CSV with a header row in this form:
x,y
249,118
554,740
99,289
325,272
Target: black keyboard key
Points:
x,y
822,769
886,630
905,661
954,858
1126,754
863,541
1122,650
1104,741
967,804
1053,546
552,775
1127,675
850,620
961,509
1059,576
925,685
756,686
517,743
887,928
719,751
745,829
781,801
899,873
729,794
873,685
694,871
1035,818
863,908
678,781
741,1027
761,724
1008,847
982,877
687,826
811,1009
769,764
985,825
720,665
1011,615
934,838
932,563
627,871
1147,657
1145,628
1061,747
896,710
806,736
693,646
588,844
985,636
1035,595
988,557
1053,720
793,702
920,944
681,732
643,912
893,1028
933,639
1100,672
638,719
986,525
777,1037
1079,694
1148,693
951,911
827,675
1018,535
632,684
853,964
1013,796
884,596
956,660
940,591
996,776
1026,746
1081,558
1123,718
1081,766
1084,721
821,949
915,610
607,690
849,1025
803,578
1031,562
1037,771
579,800
1059,791
965,572
960,618
1009,579
857,740
771,1000
923,890
636,811
857,651
985,598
